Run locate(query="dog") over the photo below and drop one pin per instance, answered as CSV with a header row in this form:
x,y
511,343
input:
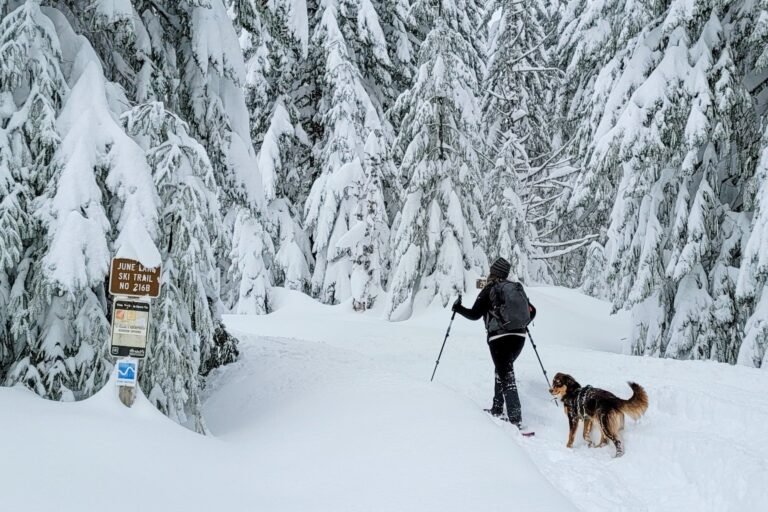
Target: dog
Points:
x,y
594,405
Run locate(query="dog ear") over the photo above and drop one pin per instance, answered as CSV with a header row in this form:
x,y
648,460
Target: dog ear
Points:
x,y
563,379
570,382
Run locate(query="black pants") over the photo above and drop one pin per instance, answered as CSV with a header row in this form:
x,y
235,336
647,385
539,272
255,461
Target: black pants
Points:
x,y
504,351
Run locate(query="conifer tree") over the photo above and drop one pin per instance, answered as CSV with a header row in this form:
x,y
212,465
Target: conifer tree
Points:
x,y
752,285
31,90
189,234
440,234
275,37
368,240
670,245
96,159
592,279
283,140
348,115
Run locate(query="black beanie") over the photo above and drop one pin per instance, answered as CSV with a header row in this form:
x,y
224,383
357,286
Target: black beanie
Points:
x,y
501,268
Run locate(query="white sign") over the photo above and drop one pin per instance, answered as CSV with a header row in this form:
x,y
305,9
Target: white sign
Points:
x,y
127,372
130,326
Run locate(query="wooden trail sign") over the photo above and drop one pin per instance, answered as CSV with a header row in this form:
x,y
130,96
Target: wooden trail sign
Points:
x,y
130,278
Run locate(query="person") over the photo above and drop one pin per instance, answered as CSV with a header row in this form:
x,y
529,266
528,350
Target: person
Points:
x,y
505,342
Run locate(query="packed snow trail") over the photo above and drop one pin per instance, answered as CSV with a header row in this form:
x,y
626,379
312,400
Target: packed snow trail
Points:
x,y
699,447
349,435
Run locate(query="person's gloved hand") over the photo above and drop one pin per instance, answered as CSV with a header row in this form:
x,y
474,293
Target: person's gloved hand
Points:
x,y
456,304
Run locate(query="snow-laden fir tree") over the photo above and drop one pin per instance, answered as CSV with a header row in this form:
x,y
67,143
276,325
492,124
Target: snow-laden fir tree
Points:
x,y
518,82
590,43
190,231
348,115
167,53
509,234
397,29
368,239
593,274
100,202
92,196
202,53
213,104
752,285
31,87
275,39
594,41
440,236
283,181
299,110
677,133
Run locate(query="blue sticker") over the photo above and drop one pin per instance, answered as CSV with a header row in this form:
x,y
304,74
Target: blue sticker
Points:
x,y
126,372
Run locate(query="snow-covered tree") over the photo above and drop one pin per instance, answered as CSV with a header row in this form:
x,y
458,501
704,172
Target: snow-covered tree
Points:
x,y
348,115
592,42
190,230
368,239
752,284
397,29
282,181
95,161
519,83
676,133
508,228
440,233
595,40
31,90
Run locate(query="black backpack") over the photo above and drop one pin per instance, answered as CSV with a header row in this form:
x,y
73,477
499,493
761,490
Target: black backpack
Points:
x,y
510,309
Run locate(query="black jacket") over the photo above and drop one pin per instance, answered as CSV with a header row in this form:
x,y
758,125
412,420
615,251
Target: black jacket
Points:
x,y
482,308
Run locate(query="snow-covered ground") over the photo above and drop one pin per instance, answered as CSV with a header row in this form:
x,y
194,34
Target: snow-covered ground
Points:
x,y
332,410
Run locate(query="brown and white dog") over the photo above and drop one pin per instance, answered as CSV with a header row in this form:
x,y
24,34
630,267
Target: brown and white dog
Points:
x,y
594,405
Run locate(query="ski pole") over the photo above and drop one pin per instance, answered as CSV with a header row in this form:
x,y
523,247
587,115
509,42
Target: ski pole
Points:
x,y
540,363
441,348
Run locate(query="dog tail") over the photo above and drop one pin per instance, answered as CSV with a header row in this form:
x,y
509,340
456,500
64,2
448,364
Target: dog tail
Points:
x,y
637,403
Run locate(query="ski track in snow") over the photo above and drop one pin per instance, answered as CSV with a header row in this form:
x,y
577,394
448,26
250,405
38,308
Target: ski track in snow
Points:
x,y
699,446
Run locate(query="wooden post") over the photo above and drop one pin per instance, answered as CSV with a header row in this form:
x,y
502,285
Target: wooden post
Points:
x,y
127,395
127,381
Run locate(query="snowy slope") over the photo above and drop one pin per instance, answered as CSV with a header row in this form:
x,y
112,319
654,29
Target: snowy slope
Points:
x,y
332,410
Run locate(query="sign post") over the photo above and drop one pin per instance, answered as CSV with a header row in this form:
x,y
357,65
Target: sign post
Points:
x,y
133,285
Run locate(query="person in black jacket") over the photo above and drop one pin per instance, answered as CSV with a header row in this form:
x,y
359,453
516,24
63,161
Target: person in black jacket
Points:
x,y
505,346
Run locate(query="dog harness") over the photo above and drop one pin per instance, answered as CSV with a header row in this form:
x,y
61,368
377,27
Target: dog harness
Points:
x,y
582,396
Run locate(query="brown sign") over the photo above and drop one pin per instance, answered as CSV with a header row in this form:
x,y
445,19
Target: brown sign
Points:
x,y
132,279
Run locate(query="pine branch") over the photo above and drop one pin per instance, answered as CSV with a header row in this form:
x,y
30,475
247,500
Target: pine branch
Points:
x,y
574,170
529,52
547,200
566,243
565,251
540,70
